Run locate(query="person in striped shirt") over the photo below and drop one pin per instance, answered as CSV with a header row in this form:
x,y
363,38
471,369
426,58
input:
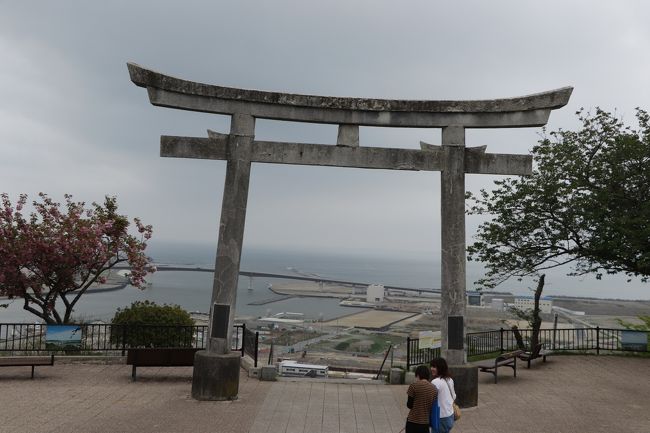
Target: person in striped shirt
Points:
x,y
421,395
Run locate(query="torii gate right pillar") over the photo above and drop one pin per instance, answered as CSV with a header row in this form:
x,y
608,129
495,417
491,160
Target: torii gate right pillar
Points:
x,y
452,305
453,275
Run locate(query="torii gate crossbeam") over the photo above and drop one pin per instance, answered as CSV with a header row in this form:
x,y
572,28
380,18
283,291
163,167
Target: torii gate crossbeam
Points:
x,y
216,370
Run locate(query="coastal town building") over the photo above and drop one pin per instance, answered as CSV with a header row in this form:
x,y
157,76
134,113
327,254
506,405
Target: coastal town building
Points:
x,y
375,293
528,303
497,304
474,298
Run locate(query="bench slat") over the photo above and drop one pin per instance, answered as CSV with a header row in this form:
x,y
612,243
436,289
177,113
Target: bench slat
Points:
x,y
165,357
182,357
508,359
24,361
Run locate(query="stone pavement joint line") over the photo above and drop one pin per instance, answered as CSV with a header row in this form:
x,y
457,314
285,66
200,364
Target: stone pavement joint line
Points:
x,y
567,394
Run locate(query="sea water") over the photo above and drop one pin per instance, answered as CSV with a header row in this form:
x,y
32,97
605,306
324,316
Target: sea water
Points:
x,y
192,290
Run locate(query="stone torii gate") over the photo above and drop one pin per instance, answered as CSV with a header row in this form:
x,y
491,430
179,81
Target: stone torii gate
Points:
x,y
216,370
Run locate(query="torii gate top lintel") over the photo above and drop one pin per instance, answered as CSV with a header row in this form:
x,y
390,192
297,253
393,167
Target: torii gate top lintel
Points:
x,y
523,111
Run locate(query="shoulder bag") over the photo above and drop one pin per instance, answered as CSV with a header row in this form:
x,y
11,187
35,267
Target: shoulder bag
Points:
x,y
454,405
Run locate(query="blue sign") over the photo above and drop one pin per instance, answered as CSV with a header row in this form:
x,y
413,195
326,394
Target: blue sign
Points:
x,y
636,341
63,337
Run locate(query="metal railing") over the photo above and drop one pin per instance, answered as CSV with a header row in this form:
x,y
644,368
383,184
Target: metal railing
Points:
x,y
250,344
569,339
108,338
417,356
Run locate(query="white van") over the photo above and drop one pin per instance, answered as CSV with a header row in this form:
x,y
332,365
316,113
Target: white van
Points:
x,y
292,368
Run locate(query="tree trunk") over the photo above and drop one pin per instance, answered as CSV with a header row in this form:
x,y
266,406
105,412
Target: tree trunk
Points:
x,y
536,320
518,338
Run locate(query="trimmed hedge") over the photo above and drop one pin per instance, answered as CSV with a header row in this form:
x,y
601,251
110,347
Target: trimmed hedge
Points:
x,y
147,324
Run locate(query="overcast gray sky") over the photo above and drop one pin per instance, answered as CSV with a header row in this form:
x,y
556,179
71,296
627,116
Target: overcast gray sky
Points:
x,y
72,122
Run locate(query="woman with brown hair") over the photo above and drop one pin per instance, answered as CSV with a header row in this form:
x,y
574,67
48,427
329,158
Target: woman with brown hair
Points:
x,y
421,396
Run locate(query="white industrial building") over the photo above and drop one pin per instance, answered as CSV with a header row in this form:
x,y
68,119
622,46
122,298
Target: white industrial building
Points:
x,y
497,304
375,293
528,303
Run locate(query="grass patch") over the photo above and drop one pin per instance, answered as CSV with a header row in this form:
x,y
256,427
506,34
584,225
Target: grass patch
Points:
x,y
345,345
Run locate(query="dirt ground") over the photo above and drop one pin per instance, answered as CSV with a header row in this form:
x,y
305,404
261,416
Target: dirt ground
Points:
x,y
606,307
375,319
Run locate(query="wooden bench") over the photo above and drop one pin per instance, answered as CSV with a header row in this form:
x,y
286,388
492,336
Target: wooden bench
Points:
x,y
153,357
26,361
508,359
538,352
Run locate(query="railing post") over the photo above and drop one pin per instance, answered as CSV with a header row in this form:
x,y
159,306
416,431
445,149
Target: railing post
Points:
x,y
124,339
243,338
408,352
383,362
257,342
501,332
597,340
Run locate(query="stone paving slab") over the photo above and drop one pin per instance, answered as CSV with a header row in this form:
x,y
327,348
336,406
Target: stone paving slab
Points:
x,y
102,398
566,394
569,394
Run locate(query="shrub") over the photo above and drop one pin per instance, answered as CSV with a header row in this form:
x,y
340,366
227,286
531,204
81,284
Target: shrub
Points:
x,y
146,324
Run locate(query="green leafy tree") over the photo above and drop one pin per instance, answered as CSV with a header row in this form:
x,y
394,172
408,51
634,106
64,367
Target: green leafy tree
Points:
x,y
51,258
586,204
147,324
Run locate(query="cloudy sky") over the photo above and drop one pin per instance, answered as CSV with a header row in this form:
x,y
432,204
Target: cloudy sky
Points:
x,y
72,122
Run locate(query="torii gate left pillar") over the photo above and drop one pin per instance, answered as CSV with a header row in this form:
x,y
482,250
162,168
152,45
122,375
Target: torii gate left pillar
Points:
x,y
218,366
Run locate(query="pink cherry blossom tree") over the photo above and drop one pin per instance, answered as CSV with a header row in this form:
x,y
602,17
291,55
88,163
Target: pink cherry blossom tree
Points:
x,y
58,252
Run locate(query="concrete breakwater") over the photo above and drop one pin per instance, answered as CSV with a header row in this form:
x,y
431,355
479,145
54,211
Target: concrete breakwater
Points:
x,y
270,300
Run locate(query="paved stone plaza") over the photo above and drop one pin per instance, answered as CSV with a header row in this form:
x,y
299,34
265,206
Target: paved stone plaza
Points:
x,y
567,394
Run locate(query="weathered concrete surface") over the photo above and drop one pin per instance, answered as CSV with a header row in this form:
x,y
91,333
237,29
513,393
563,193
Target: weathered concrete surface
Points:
x,y
271,152
217,361
465,384
348,136
233,219
395,376
303,154
167,91
269,373
402,119
148,78
498,163
452,181
216,376
215,147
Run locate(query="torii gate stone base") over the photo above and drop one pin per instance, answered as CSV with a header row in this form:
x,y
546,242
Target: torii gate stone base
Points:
x,y
216,370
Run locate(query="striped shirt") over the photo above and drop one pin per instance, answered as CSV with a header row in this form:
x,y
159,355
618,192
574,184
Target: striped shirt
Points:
x,y
423,394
